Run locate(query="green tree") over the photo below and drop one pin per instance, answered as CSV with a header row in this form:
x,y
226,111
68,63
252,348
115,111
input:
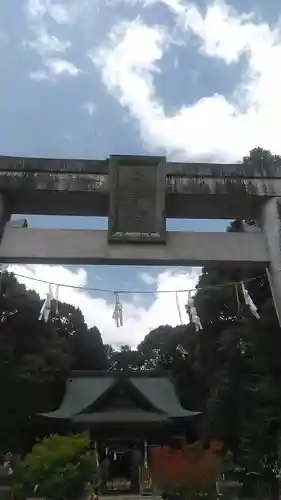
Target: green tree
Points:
x,y
88,350
238,356
162,349
36,357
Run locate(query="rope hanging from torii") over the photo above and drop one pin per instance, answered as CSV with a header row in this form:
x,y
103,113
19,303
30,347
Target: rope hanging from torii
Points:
x,y
118,308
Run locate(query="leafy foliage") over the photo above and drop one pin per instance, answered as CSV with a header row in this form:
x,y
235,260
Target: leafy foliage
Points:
x,y
35,359
57,467
192,470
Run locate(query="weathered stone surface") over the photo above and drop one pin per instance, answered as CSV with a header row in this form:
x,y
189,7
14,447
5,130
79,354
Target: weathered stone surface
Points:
x,y
53,165
249,170
81,246
81,187
223,185
272,169
12,180
49,181
137,199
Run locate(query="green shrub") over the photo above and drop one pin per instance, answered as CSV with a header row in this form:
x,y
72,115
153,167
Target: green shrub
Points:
x,y
57,468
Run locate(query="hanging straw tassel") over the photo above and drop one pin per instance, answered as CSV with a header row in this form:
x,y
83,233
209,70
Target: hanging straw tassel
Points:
x,y
179,309
57,300
237,300
46,308
189,305
191,310
145,454
1,278
248,301
190,301
118,311
97,455
181,349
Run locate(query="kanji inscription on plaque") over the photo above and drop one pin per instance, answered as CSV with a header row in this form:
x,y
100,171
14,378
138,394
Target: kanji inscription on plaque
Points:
x,y
137,199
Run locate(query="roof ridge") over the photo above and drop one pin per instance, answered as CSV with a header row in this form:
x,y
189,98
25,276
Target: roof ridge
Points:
x,y
119,374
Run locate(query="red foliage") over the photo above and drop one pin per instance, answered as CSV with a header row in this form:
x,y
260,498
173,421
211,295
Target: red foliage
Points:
x,y
191,467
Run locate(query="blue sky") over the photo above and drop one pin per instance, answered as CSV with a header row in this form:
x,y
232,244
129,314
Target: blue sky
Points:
x,y
194,81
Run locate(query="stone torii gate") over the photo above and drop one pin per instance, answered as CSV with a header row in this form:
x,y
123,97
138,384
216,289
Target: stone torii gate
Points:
x,y
137,193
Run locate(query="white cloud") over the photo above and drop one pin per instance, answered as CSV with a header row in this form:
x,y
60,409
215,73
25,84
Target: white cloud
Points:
x,y
38,76
214,127
147,278
45,43
37,9
62,67
90,107
54,68
138,320
59,13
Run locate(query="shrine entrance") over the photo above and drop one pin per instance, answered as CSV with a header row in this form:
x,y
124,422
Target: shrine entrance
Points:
x,y
126,414
137,193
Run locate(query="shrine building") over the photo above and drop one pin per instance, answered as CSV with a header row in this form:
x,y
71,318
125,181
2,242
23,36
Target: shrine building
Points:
x,y
123,412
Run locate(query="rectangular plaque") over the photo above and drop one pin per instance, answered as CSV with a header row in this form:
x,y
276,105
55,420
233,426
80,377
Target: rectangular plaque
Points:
x,y
137,199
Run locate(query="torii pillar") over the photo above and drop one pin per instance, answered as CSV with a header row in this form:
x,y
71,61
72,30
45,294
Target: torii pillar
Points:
x,y
5,214
271,227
